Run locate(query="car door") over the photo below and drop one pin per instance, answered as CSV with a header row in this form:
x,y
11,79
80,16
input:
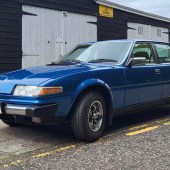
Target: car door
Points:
x,y
163,52
143,83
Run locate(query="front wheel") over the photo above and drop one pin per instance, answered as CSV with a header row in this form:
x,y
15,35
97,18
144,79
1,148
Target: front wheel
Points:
x,y
89,118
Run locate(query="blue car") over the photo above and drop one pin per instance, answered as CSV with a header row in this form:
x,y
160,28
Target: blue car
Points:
x,y
89,86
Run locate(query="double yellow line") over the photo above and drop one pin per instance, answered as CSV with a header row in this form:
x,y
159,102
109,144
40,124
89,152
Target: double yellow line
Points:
x,y
145,128
17,162
133,131
142,131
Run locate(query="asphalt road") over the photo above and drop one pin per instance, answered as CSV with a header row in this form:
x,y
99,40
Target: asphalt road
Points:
x,y
139,141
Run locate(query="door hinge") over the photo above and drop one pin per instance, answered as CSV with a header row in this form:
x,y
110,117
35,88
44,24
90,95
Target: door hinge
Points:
x,y
130,28
28,13
94,23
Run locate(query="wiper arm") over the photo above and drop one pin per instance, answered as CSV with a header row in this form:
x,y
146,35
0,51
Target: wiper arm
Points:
x,y
102,60
65,62
75,61
71,61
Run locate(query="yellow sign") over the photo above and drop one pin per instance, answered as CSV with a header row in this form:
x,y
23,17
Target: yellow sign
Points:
x,y
106,11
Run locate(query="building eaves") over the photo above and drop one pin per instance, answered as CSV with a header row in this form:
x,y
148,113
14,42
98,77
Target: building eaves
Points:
x,y
132,10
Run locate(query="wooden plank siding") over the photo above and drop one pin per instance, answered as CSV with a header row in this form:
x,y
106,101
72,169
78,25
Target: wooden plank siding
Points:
x,y
88,7
11,25
10,35
116,28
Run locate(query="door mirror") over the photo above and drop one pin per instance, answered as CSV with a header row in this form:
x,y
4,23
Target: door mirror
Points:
x,y
136,61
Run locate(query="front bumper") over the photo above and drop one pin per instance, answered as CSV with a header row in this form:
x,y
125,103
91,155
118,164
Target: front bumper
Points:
x,y
45,113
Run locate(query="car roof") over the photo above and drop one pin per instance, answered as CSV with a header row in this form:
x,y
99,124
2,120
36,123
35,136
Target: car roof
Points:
x,y
153,41
126,40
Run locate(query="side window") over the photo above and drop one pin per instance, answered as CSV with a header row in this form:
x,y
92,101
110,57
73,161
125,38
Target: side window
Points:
x,y
143,50
163,51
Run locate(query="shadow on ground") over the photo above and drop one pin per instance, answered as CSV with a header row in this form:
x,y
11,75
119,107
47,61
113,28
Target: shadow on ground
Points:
x,y
29,137
141,117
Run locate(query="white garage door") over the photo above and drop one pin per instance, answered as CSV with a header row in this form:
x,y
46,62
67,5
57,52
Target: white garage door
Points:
x,y
48,34
148,32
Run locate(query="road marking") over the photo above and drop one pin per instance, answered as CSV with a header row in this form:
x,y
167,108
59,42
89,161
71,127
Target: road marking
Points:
x,y
12,164
142,131
17,162
139,130
161,121
167,123
52,152
138,127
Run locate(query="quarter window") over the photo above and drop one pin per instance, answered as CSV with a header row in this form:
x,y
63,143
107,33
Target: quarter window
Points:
x,y
163,51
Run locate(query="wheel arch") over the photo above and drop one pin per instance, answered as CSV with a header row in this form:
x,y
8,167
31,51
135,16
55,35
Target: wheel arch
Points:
x,y
100,87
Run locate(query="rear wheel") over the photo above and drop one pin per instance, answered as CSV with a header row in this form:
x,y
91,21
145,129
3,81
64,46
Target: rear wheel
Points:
x,y
88,121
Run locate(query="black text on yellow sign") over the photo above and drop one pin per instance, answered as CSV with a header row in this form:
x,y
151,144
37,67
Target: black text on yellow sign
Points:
x,y
106,11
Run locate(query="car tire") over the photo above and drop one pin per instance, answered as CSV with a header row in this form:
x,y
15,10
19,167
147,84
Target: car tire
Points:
x,y
11,123
89,118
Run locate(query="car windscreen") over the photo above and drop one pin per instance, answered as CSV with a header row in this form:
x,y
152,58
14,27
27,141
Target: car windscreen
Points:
x,y
99,52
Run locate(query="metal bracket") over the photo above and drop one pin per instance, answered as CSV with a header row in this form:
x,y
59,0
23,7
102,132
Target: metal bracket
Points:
x,y
94,23
130,28
28,13
165,32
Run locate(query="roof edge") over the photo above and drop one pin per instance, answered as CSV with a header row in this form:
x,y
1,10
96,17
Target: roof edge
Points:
x,y
132,10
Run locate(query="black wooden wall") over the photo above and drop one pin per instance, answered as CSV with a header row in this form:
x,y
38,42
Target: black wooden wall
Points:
x,y
116,28
11,25
10,35
76,6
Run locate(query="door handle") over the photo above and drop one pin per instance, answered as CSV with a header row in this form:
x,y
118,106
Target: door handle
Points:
x,y
157,71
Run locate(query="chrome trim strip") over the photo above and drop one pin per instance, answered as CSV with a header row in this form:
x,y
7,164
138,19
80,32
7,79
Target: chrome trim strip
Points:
x,y
15,110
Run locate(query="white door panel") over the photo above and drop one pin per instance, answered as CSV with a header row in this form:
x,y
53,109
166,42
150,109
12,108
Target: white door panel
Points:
x,y
77,30
163,36
38,36
147,32
133,32
48,34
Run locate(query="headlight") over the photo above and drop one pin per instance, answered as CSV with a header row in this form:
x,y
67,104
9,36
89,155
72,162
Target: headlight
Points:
x,y
32,91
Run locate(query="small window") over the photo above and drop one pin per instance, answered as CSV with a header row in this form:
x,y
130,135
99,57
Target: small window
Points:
x,y
143,50
159,32
163,51
140,30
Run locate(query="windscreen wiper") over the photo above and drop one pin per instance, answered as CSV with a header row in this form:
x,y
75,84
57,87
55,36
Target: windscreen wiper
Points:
x,y
102,60
65,62
71,61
